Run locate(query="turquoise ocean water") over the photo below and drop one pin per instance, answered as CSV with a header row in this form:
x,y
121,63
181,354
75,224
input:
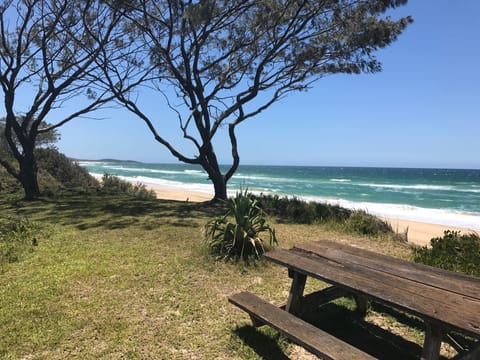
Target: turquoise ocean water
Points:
x,y
442,196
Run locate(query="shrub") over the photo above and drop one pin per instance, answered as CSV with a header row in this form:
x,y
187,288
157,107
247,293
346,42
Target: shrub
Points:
x,y
57,170
114,185
300,212
8,184
363,223
326,212
17,237
453,251
297,211
237,233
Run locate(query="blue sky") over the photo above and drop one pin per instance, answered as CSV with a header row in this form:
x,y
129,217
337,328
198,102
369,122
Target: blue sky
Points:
x,y
422,110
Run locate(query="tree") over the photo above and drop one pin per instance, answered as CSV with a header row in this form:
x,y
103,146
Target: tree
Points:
x,y
227,61
49,54
44,139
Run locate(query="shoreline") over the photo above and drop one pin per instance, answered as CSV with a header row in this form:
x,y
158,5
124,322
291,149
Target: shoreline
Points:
x,y
419,233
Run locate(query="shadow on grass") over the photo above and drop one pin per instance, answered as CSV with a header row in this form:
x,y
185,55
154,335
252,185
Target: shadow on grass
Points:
x,y
87,211
264,345
346,325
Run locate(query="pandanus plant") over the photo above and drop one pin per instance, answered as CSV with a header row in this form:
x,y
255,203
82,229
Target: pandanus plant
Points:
x,y
236,234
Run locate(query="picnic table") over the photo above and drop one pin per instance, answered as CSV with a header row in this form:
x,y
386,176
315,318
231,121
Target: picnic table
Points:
x,y
447,302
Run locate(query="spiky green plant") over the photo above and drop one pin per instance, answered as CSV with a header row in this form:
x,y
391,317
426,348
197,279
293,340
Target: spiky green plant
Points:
x,y
237,233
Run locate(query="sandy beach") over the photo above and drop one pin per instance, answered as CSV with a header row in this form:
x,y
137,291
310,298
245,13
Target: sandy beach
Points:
x,y
180,195
419,233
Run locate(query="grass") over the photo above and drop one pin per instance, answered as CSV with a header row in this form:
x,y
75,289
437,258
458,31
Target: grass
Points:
x,y
115,277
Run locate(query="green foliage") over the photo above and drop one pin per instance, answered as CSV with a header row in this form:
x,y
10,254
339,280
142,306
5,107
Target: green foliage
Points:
x,y
453,251
237,233
112,184
365,224
44,139
54,164
8,184
294,210
17,237
297,211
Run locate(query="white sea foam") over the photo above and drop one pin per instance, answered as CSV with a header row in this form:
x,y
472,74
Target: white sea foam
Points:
x,y
169,184
405,212
419,187
340,180
195,172
144,170
241,176
446,217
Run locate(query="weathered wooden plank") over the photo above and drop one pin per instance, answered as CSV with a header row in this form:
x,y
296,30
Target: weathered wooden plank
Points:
x,y
300,332
450,308
443,279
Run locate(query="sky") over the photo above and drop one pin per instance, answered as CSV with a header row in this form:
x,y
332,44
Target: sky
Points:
x,y
422,110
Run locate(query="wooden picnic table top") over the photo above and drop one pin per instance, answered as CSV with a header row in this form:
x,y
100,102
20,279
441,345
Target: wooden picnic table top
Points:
x,y
449,299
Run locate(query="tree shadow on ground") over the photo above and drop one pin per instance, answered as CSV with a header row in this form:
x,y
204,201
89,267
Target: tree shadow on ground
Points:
x,y
115,211
264,345
348,326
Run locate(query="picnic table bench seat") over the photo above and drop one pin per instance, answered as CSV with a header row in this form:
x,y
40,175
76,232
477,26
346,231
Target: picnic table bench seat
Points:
x,y
313,339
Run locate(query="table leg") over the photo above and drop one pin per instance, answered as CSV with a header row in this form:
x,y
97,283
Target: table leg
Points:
x,y
362,304
433,340
296,293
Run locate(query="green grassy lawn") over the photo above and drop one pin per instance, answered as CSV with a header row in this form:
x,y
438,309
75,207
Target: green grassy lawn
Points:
x,y
114,277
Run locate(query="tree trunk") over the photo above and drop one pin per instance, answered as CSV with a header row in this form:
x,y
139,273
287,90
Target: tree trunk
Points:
x,y
219,185
210,164
28,177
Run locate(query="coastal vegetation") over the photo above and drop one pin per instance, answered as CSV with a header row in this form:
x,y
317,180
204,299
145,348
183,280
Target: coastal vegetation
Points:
x,y
114,185
58,171
98,274
294,210
453,251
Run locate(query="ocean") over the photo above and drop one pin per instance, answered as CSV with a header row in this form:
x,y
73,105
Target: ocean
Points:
x,y
441,196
